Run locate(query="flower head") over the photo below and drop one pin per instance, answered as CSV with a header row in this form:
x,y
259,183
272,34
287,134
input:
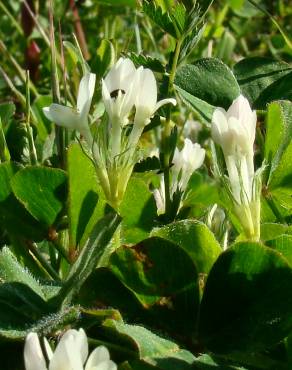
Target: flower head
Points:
x,y
186,161
70,354
234,131
76,119
119,90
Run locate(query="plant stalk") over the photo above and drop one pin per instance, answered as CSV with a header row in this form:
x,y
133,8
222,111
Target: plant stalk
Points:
x,y
167,130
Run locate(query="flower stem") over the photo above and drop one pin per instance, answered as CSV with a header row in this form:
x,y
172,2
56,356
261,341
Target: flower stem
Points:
x,y
60,137
167,130
33,247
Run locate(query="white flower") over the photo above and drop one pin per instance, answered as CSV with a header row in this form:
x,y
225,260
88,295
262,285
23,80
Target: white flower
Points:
x,y
70,354
126,86
76,119
119,90
159,196
146,97
191,129
185,162
234,131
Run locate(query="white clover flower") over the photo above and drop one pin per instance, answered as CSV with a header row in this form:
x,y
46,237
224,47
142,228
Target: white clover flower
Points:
x,y
146,97
70,354
75,118
119,89
185,162
234,131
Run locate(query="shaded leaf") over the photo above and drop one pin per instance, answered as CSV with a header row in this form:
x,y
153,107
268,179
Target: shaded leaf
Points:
x,y
263,80
86,200
41,190
247,300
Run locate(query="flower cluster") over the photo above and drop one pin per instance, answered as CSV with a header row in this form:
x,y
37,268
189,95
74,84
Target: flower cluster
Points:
x,y
71,353
124,90
185,162
234,131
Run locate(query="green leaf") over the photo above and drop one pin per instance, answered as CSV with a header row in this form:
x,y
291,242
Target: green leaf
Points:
x,y
13,216
104,287
162,19
151,348
131,3
7,111
147,164
147,62
88,258
164,279
202,192
278,144
196,239
283,245
204,6
44,126
41,191
200,107
278,154
86,203
209,80
12,271
247,300
106,56
138,211
45,325
271,231
263,80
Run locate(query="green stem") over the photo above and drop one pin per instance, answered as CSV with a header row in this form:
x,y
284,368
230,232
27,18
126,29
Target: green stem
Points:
x,y
167,130
45,264
4,151
61,250
274,208
32,149
60,137
12,19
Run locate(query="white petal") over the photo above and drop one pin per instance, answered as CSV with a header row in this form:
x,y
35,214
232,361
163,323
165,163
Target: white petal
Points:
x,y
131,93
163,102
48,349
197,157
106,365
239,108
67,354
147,95
63,116
33,355
100,354
120,74
159,196
107,100
81,341
126,74
46,111
85,93
219,125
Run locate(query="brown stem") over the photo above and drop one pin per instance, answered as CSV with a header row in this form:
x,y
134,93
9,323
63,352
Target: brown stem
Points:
x,y
79,30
